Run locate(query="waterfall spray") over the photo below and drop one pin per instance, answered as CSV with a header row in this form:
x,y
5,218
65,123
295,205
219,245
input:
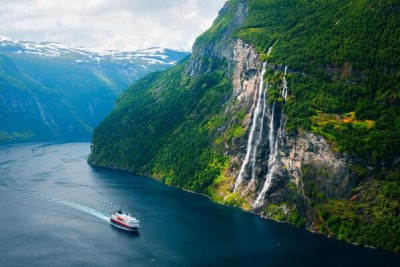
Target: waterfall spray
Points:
x,y
273,154
258,141
284,91
250,146
269,50
256,113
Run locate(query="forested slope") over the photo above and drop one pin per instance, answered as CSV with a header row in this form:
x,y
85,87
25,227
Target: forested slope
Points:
x,y
324,150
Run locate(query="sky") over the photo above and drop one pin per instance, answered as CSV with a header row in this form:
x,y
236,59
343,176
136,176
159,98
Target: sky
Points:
x,y
109,24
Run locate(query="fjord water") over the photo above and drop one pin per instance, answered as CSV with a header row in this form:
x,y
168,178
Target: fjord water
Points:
x,y
54,208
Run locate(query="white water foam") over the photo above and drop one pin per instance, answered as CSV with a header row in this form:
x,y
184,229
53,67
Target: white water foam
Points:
x,y
96,213
250,145
273,154
258,141
284,90
101,215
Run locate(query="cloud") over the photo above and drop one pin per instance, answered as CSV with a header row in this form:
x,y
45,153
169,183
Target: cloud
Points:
x,y
105,24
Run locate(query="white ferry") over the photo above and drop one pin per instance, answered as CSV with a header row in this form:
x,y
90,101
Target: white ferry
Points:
x,y
123,221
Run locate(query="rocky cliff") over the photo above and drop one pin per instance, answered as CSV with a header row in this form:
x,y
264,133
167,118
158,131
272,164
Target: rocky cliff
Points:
x,y
268,166
252,121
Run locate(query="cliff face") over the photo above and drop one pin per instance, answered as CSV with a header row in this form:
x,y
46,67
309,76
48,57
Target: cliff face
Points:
x,y
217,44
238,123
268,166
309,158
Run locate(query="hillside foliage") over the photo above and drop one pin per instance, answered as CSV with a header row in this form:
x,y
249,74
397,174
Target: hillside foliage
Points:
x,y
343,57
164,126
343,83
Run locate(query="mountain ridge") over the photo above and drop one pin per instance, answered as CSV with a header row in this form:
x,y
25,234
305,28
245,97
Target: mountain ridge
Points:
x,y
269,116
53,49
45,80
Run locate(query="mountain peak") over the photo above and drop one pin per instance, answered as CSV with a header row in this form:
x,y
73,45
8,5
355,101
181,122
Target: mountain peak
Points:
x,y
153,55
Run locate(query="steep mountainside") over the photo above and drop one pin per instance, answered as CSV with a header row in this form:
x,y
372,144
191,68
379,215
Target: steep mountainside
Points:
x,y
50,91
288,109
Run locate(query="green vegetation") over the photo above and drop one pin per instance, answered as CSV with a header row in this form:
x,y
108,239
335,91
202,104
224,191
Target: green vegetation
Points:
x,y
343,83
221,24
64,97
173,126
13,136
31,111
166,129
370,217
343,57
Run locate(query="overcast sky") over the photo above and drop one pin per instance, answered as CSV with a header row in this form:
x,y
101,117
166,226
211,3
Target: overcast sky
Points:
x,y
109,24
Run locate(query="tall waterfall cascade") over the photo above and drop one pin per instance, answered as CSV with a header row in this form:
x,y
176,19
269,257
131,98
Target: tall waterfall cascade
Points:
x,y
284,90
266,117
251,149
259,138
273,156
251,146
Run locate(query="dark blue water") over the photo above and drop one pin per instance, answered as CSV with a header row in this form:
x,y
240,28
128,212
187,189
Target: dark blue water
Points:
x,y
53,212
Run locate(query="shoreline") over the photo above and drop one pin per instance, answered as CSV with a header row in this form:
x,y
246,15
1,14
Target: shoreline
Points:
x,y
309,230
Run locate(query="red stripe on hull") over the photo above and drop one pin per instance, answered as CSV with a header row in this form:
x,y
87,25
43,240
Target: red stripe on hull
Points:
x,y
123,225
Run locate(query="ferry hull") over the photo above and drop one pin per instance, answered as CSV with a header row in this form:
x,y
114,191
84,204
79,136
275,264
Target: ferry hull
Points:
x,y
123,226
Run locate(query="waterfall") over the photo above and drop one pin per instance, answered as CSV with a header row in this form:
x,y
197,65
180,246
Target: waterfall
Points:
x,y
269,50
258,141
273,154
250,145
46,117
284,91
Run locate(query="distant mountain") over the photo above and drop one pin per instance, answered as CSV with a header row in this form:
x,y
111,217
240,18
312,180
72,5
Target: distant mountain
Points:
x,y
50,91
81,55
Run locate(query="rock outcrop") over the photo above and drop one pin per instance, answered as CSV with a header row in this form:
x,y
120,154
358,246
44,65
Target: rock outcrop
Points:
x,y
287,171
239,121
